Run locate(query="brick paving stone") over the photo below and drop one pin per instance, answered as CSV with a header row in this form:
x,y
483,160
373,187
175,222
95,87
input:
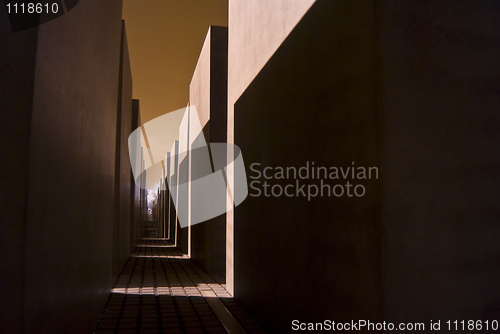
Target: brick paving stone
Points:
x,y
107,326
160,291
173,331
215,330
149,331
127,326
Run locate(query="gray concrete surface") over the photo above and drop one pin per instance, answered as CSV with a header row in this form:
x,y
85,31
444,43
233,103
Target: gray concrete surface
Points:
x,y
71,188
174,179
138,194
60,94
123,177
314,101
439,117
183,178
17,62
407,87
208,93
256,30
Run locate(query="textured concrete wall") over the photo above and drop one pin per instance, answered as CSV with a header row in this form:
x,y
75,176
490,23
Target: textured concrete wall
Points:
x,y
313,102
183,177
218,85
199,98
439,112
170,208
166,198
199,88
136,195
17,63
123,218
161,208
66,251
208,93
174,179
256,30
410,88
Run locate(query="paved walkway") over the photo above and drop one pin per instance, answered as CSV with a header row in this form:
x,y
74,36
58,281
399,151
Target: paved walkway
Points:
x,y
162,291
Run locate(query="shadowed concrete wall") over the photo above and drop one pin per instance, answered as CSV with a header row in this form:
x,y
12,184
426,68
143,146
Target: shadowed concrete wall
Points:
x,y
183,177
144,198
161,207
126,176
66,252
410,88
314,101
208,93
172,216
123,219
167,198
256,30
174,181
68,244
439,110
137,194
17,62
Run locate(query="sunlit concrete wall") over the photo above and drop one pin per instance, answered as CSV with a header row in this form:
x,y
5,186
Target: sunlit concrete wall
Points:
x,y
127,119
62,98
161,204
166,198
256,30
208,93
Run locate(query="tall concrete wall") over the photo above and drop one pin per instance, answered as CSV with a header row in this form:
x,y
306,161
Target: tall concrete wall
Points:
x,y
174,196
68,232
170,208
123,176
161,207
256,30
183,177
208,93
137,193
439,117
17,62
60,93
126,176
409,88
166,198
314,102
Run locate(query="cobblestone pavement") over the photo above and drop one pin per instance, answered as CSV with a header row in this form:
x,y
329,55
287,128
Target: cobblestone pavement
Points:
x,y
162,291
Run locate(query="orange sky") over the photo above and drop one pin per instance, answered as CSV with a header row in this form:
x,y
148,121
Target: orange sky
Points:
x,y
165,38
